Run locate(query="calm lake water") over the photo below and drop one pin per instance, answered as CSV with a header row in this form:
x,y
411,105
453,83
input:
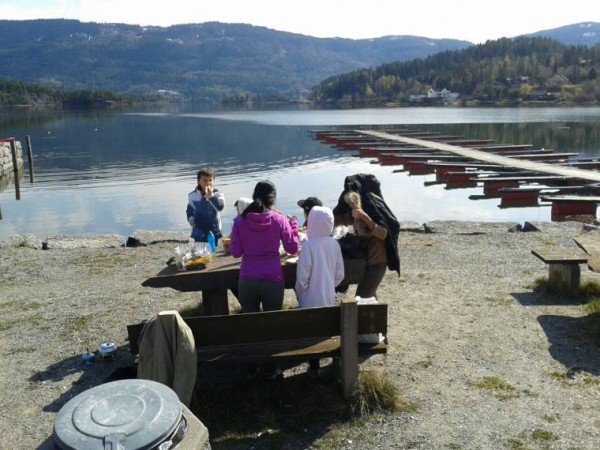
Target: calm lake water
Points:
x,y
118,172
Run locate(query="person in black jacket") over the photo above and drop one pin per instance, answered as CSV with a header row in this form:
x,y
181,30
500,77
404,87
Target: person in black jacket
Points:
x,y
361,204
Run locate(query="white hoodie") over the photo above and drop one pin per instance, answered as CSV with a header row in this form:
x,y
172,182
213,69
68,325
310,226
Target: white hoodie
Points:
x,y
320,266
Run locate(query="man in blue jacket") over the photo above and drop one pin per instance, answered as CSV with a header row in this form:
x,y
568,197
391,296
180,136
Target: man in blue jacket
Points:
x,y
204,206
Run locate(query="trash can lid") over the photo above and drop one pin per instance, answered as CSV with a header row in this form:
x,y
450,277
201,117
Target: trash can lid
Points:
x,y
125,414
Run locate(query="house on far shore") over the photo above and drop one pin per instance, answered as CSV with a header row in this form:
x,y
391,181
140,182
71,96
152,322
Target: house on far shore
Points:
x,y
433,97
557,81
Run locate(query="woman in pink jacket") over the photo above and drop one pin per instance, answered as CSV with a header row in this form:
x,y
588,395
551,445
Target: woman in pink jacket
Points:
x,y
256,236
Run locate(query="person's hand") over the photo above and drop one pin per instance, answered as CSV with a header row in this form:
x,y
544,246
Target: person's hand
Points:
x,y
359,214
209,191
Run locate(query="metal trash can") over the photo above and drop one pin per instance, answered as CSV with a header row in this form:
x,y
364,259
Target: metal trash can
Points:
x,y
128,415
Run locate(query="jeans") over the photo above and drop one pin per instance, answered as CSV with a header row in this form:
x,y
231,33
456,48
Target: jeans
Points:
x,y
253,293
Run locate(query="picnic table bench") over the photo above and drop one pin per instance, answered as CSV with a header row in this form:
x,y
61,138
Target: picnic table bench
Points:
x,y
563,266
291,334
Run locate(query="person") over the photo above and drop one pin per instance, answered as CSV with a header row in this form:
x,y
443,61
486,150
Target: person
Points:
x,y
256,237
361,205
241,204
204,206
320,267
307,205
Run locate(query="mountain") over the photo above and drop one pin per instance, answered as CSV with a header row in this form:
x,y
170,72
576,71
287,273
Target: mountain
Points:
x,y
586,33
205,61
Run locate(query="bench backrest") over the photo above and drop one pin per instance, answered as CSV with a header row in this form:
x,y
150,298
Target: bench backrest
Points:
x,y
289,324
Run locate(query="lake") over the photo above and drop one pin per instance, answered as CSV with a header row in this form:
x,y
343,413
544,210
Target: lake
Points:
x,y
113,172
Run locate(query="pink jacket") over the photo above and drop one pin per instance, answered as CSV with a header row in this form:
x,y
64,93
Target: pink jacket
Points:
x,y
256,239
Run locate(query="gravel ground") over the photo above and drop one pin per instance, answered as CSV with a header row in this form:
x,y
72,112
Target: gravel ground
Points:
x,y
462,315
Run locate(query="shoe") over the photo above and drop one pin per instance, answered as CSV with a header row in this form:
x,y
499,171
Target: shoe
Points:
x,y
252,372
274,374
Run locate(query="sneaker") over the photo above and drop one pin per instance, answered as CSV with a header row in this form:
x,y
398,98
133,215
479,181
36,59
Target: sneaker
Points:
x,y
273,374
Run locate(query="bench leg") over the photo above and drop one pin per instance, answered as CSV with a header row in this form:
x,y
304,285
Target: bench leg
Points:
x,y
567,274
349,350
215,303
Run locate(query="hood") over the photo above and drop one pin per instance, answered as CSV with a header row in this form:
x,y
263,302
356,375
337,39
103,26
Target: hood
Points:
x,y
242,203
320,222
260,221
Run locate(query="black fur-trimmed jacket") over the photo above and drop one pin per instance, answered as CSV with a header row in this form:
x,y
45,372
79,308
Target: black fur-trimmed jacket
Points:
x,y
374,205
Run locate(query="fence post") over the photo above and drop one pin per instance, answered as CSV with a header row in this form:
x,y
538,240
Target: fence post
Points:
x,y
29,157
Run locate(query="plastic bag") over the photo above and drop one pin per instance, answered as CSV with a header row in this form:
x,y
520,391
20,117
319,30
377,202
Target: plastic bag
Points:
x,y
372,338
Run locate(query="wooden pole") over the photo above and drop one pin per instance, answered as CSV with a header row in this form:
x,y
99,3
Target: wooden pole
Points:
x,y
30,158
349,350
13,152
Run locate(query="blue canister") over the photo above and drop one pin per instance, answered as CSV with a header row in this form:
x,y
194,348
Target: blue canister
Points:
x,y
211,241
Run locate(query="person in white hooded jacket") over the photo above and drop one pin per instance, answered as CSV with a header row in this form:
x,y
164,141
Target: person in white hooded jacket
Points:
x,y
320,265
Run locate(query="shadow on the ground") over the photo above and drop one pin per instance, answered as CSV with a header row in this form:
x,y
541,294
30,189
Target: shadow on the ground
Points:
x,y
538,297
290,412
101,371
574,341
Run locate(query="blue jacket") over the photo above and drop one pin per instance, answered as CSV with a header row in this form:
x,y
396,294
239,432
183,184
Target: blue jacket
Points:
x,y
203,214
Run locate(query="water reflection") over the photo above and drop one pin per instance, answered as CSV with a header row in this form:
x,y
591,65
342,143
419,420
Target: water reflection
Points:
x,y
114,173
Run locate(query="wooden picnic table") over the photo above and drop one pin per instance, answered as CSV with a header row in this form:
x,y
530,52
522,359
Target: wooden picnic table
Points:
x,y
222,274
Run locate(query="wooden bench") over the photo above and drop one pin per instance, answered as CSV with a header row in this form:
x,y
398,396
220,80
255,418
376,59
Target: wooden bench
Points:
x,y
563,266
293,334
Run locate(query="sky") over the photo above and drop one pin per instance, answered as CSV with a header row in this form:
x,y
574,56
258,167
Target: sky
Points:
x,y
471,20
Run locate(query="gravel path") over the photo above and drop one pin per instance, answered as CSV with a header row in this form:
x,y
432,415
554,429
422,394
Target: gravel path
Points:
x,y
463,317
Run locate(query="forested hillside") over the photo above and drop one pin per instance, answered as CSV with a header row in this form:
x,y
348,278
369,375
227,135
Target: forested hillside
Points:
x,y
206,61
503,71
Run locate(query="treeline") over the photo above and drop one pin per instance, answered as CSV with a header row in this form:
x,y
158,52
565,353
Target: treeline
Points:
x,y
505,70
20,93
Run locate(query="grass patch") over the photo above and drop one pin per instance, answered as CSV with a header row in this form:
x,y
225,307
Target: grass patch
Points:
x,y
22,350
424,363
31,320
539,435
593,306
497,387
516,444
551,418
75,324
376,393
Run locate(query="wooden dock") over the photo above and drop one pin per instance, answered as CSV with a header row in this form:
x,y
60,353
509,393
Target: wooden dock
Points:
x,y
500,160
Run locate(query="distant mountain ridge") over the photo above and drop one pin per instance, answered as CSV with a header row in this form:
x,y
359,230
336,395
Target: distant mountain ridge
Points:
x,y
207,61
585,33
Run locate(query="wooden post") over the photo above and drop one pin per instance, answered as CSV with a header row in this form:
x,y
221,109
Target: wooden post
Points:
x,y
569,274
349,343
215,302
13,152
29,157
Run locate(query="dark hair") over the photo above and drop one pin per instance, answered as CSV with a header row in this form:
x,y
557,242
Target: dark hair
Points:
x,y
206,172
263,197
